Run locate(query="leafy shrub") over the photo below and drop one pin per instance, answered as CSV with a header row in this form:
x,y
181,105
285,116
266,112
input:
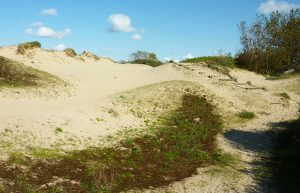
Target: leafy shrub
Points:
x,y
27,46
70,52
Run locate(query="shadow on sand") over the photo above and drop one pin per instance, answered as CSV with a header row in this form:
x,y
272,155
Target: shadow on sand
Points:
x,y
277,167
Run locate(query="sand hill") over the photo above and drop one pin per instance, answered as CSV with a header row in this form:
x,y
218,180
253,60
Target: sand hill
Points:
x,y
102,97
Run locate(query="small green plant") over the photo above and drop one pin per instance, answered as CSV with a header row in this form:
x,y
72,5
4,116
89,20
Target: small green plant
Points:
x,y
246,115
58,130
98,119
285,95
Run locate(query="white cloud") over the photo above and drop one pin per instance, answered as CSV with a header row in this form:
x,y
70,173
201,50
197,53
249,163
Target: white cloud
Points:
x,y
275,5
37,24
29,31
120,23
188,56
49,12
60,47
167,59
47,32
136,37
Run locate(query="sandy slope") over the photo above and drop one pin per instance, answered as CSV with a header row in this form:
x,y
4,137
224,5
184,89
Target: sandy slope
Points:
x,y
87,110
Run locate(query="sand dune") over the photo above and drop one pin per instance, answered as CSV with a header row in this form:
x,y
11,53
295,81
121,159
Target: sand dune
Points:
x,y
88,108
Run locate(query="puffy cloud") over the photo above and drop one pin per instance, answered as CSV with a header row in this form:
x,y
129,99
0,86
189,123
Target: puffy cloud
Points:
x,y
49,12
60,47
136,37
120,23
275,5
188,56
47,32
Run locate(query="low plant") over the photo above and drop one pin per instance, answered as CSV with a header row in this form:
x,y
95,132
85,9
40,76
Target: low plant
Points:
x,y
246,115
285,95
58,130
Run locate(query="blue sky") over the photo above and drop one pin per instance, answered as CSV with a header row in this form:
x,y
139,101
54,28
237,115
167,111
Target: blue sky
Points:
x,y
116,28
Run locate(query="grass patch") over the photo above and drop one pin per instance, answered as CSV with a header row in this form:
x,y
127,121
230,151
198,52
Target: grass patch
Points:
x,y
246,115
46,153
27,46
172,149
16,158
16,74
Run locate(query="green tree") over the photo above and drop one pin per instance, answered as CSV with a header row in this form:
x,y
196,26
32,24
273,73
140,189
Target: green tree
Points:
x,y
271,44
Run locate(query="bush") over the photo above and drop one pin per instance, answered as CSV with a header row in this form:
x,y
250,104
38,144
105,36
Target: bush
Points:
x,y
70,52
148,62
227,61
27,46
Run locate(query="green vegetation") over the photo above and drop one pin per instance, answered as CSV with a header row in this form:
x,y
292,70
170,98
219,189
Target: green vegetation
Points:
x,y
58,130
70,52
171,149
16,158
27,46
285,95
143,57
246,115
271,44
226,60
15,74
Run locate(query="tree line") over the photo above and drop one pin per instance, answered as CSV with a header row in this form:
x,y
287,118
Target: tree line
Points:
x,y
271,44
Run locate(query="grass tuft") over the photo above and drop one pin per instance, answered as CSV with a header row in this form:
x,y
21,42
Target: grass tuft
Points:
x,y
58,130
285,95
246,115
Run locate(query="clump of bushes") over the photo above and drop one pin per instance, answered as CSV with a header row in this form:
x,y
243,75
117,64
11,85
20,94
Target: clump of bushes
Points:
x,y
270,45
27,46
148,62
147,58
70,52
227,61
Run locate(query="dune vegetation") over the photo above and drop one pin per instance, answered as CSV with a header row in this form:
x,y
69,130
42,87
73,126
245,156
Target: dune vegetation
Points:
x,y
172,148
28,46
16,74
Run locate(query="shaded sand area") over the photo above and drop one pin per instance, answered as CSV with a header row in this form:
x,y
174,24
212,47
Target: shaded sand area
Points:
x,y
101,98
